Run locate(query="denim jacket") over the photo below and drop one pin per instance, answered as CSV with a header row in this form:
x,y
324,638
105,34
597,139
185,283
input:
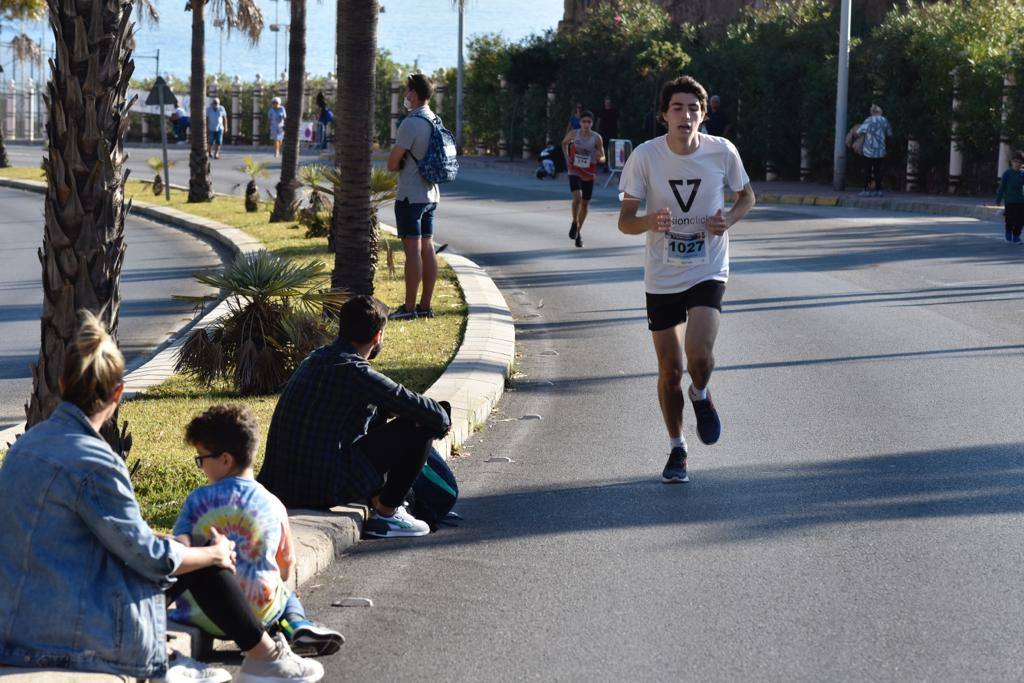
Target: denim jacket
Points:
x,y
81,573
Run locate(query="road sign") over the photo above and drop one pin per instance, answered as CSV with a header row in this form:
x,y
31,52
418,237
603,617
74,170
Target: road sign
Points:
x,y
154,94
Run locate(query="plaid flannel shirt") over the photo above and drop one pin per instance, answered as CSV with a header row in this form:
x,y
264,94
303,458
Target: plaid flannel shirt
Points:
x,y
313,457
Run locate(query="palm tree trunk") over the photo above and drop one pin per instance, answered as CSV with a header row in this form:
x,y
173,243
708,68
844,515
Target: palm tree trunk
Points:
x,y
200,188
84,211
355,236
4,161
284,205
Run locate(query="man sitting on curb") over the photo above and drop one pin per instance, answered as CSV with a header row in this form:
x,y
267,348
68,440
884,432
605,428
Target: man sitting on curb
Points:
x,y
329,443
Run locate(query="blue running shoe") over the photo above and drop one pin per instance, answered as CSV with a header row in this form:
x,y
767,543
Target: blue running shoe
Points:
x,y
1009,235
709,426
675,468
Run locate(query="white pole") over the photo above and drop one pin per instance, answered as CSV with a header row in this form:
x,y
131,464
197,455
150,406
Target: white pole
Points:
x,y
842,90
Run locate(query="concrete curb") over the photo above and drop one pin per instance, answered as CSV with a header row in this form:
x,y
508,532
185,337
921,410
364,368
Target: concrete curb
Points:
x,y
473,383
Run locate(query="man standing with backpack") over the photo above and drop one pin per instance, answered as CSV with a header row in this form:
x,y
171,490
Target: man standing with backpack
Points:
x,y
417,197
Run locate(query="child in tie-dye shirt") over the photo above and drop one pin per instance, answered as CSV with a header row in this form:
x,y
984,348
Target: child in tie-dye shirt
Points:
x,y
225,438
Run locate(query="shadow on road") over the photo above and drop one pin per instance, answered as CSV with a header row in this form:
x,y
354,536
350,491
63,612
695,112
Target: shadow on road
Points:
x,y
751,503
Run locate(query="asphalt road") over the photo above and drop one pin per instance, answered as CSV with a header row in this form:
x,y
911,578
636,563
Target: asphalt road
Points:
x,y
159,262
859,520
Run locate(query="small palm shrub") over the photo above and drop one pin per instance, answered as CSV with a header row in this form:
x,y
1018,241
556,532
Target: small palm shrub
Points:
x,y
383,188
254,169
316,215
278,312
157,164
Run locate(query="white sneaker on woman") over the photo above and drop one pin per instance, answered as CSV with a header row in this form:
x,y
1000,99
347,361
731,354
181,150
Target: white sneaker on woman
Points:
x,y
182,669
284,666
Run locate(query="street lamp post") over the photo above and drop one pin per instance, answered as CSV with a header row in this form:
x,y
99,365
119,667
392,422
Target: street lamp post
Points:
x,y
842,91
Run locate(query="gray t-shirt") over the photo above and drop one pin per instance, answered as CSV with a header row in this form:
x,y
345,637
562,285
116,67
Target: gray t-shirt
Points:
x,y
414,135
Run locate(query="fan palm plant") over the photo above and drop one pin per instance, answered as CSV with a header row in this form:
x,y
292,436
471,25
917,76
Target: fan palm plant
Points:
x,y
157,164
383,187
316,215
254,169
353,231
278,312
243,15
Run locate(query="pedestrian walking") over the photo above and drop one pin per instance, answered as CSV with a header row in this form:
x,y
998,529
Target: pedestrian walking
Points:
x,y
574,118
681,178
717,121
1011,192
275,117
181,122
324,118
584,150
875,130
216,122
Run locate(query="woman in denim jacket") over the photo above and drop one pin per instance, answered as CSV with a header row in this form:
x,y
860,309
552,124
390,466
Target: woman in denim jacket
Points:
x,y
82,576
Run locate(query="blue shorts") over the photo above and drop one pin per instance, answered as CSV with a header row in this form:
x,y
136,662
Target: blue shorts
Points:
x,y
414,220
217,137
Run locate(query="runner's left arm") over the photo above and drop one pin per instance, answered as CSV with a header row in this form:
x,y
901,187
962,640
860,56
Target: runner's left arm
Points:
x,y
600,149
745,200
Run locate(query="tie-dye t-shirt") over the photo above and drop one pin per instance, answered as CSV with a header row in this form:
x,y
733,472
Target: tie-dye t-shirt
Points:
x,y
255,520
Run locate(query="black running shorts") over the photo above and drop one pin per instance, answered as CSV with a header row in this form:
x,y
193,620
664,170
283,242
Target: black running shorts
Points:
x,y
665,311
577,184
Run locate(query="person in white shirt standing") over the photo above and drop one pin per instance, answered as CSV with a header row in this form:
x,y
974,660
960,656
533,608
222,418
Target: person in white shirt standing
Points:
x,y
415,199
216,122
681,178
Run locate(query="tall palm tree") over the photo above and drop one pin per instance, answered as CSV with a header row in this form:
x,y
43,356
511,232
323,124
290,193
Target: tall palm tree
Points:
x,y
284,204
241,14
11,10
84,210
355,237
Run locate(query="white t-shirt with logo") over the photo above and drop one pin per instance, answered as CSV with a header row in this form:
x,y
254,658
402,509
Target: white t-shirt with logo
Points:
x,y
692,187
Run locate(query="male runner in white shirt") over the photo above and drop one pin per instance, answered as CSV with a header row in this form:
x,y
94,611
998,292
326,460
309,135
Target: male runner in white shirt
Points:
x,y
681,178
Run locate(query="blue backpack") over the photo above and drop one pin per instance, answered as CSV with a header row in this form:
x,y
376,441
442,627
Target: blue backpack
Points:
x,y
439,164
434,492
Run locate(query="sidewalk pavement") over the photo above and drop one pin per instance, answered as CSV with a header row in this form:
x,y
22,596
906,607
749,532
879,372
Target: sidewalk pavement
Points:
x,y
473,382
785,192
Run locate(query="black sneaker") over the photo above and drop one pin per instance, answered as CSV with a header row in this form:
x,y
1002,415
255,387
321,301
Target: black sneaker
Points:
x,y
402,314
424,312
579,240
709,426
573,232
675,468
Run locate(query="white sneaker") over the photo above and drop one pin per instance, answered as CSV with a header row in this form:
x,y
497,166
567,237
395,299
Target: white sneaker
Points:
x,y
182,669
399,524
285,666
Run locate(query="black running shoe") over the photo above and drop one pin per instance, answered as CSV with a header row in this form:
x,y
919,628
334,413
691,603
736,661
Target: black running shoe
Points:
x,y
709,426
573,232
579,240
424,312
402,314
675,468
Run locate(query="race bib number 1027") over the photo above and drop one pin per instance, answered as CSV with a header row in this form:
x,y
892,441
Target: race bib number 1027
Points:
x,y
685,250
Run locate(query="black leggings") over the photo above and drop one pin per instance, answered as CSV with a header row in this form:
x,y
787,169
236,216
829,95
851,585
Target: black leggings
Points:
x,y
218,594
398,450
1014,218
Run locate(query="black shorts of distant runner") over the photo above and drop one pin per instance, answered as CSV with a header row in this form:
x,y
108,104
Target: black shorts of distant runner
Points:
x,y
577,184
665,311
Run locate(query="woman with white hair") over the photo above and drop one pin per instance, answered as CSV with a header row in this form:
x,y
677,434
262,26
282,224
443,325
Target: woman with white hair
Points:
x,y
875,130
275,117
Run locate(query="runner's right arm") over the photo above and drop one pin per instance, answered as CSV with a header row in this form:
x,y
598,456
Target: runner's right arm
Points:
x,y
631,224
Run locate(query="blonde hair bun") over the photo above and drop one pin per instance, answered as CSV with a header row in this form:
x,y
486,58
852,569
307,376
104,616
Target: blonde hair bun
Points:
x,y
93,365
